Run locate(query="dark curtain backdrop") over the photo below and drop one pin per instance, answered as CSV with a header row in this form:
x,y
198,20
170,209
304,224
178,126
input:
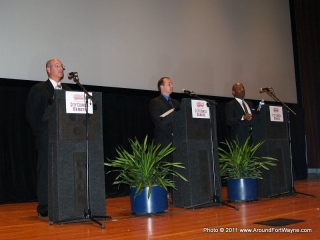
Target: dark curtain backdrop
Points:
x,y
125,115
18,158
307,26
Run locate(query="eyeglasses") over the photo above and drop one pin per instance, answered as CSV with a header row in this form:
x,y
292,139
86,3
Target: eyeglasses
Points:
x,y
59,66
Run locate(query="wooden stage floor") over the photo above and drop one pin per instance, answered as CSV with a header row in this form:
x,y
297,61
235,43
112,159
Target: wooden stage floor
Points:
x,y
300,215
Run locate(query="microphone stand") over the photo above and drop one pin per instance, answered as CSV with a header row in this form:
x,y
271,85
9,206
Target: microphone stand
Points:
x,y
87,212
216,199
289,110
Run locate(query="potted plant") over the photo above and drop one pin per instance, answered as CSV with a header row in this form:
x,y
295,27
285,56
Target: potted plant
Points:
x,y
146,174
241,168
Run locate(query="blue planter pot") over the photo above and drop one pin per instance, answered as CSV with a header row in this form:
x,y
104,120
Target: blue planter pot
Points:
x,y
156,203
244,189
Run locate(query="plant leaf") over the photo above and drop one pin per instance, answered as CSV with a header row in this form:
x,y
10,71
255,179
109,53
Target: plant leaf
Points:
x,y
143,166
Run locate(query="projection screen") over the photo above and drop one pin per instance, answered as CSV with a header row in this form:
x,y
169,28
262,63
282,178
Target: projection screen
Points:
x,y
203,45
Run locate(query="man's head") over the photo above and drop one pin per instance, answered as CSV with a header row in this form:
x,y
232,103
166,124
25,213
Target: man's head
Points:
x,y
55,69
238,90
165,86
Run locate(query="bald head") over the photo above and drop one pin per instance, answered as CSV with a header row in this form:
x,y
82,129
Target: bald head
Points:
x,y
238,90
55,69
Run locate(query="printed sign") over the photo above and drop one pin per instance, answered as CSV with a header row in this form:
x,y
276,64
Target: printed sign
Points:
x,y
276,114
76,102
200,109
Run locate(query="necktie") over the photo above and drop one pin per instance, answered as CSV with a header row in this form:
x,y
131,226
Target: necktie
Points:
x,y
170,101
58,87
245,107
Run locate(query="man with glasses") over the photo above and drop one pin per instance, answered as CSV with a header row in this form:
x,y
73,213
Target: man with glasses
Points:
x,y
39,98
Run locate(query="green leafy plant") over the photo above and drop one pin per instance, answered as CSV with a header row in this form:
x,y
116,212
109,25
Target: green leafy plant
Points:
x,y
239,161
143,166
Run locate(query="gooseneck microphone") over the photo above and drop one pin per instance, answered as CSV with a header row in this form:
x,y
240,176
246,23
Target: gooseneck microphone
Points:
x,y
265,89
190,92
72,75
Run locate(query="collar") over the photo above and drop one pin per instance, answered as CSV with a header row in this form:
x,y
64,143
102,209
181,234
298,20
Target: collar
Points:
x,y
54,83
166,97
239,100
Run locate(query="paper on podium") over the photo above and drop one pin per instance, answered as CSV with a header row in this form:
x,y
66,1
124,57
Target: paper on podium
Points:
x,y
167,113
168,116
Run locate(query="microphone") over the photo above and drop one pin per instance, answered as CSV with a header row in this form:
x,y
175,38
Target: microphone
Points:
x,y
190,92
72,75
266,89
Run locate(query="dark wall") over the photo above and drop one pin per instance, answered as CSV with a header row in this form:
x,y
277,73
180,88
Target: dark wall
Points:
x,y
306,28
125,115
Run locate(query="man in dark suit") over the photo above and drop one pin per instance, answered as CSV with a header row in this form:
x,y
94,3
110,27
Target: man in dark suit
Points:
x,y
159,105
238,114
39,99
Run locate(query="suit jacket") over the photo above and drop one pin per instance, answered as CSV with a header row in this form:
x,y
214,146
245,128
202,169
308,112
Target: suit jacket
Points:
x,y
240,129
162,128
39,99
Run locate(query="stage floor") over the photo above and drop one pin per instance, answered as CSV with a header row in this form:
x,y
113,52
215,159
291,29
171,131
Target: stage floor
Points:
x,y
290,217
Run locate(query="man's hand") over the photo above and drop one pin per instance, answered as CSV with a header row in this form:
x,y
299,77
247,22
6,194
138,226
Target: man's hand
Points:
x,y
248,117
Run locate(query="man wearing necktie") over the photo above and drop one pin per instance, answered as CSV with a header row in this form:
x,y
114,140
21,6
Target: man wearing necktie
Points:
x,y
39,99
238,114
158,106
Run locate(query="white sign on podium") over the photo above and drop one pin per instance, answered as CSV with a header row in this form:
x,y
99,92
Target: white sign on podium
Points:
x,y
76,103
200,109
276,114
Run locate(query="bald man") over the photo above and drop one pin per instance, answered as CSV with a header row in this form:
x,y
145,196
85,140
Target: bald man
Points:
x,y
238,114
39,98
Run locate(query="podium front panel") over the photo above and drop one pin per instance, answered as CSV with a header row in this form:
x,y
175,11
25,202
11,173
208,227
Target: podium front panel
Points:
x,y
67,162
276,180
73,126
196,143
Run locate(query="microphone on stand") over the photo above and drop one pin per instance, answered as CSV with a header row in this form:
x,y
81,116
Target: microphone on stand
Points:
x,y
266,89
189,92
72,75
